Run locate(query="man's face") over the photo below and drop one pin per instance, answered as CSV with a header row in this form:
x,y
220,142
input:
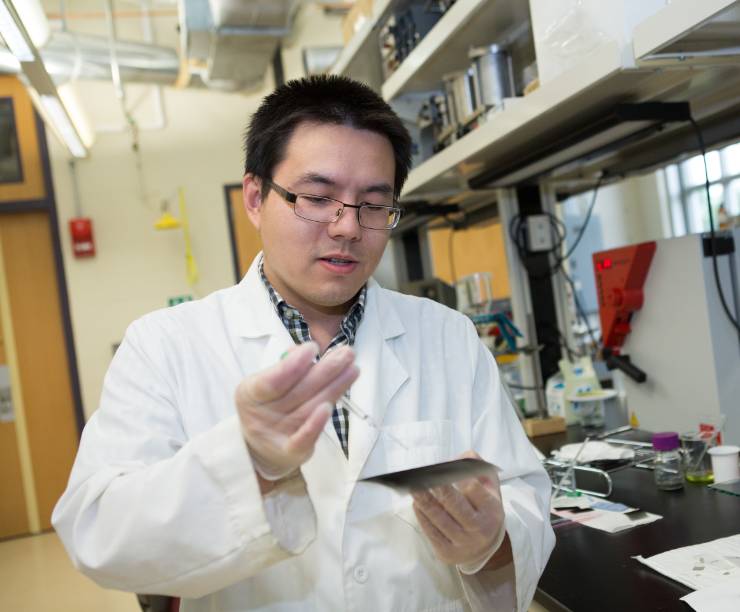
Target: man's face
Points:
x,y
301,256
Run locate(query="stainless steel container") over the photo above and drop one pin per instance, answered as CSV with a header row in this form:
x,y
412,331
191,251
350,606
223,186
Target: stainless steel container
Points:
x,y
493,78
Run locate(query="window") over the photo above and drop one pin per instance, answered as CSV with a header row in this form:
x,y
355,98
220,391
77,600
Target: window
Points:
x,y
10,163
684,183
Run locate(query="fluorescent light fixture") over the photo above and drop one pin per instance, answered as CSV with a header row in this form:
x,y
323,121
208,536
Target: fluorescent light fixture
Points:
x,y
73,105
63,125
14,37
34,20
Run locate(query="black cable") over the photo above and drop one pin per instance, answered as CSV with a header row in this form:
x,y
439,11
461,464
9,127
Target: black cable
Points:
x,y
579,309
563,341
517,231
451,253
700,138
519,238
585,222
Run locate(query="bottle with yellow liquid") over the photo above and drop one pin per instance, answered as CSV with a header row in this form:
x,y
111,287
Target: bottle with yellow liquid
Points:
x,y
696,459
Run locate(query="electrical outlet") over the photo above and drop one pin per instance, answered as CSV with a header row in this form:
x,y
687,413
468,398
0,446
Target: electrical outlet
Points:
x,y
539,233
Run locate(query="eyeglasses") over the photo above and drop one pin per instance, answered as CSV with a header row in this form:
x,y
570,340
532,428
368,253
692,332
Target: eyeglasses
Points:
x,y
328,210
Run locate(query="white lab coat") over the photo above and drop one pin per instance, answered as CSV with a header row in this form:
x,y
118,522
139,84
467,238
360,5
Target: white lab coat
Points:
x,y
163,499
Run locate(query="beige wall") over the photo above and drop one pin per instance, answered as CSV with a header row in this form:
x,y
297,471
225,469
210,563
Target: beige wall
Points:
x,y
137,268
630,211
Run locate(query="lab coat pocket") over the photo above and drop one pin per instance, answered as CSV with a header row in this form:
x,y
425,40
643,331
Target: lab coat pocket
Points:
x,y
406,446
426,443
411,445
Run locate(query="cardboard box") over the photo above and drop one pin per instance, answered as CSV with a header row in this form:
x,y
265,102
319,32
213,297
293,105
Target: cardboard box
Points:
x,y
356,18
541,427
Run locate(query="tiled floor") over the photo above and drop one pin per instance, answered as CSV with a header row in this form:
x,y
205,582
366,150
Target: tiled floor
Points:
x,y
37,576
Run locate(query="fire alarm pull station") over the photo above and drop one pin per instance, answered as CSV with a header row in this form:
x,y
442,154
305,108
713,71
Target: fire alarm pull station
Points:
x,y
81,234
620,277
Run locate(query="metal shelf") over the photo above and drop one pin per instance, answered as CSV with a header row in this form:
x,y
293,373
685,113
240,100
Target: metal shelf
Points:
x,y
468,23
685,27
596,81
360,59
562,106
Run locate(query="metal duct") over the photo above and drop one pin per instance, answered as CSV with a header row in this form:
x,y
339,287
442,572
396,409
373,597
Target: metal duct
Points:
x,y
234,40
229,44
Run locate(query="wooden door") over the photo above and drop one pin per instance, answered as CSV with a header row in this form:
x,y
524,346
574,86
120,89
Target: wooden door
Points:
x,y
245,240
41,363
39,425
13,510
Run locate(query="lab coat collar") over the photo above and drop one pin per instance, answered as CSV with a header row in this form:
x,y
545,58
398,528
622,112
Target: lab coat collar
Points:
x,y
382,373
250,314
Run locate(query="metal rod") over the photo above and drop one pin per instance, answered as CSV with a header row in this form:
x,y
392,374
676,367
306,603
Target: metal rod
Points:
x,y
75,188
115,68
689,55
630,443
614,432
63,14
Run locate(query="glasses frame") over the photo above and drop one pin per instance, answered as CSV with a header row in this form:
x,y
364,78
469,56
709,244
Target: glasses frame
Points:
x,y
291,198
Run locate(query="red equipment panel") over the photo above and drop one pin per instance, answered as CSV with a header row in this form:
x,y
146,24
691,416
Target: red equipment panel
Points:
x,y
620,276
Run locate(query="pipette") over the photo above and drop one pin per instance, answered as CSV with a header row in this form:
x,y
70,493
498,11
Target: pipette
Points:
x,y
350,406
362,415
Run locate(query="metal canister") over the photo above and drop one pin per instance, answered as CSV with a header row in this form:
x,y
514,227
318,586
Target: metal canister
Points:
x,y
493,78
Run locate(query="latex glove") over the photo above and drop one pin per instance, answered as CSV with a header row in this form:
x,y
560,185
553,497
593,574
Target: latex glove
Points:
x,y
284,409
463,522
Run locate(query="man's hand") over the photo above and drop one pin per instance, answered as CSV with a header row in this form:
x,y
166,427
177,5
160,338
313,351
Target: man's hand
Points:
x,y
463,522
283,409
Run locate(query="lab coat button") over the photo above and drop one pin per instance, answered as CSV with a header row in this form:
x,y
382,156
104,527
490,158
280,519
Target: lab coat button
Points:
x,y
360,574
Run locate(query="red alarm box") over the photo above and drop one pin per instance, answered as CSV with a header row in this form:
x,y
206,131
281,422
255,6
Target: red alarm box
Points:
x,y
81,233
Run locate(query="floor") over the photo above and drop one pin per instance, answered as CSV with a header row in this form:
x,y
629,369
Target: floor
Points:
x,y
37,576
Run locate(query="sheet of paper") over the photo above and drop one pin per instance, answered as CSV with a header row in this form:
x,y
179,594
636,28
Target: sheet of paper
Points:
x,y
563,502
429,476
723,597
599,513
592,451
701,565
614,522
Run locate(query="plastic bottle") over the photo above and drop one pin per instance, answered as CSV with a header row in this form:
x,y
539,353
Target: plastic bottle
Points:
x,y
668,469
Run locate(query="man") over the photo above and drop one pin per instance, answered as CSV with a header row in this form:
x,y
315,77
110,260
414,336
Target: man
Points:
x,y
223,465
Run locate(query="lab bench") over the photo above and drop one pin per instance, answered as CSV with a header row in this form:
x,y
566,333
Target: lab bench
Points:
x,y
594,570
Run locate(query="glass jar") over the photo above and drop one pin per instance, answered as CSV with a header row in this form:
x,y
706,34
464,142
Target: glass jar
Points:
x,y
668,467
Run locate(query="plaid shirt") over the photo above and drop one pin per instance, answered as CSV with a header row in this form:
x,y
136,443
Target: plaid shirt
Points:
x,y
299,331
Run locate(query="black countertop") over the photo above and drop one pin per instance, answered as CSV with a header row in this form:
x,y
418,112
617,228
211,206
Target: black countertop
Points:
x,y
591,570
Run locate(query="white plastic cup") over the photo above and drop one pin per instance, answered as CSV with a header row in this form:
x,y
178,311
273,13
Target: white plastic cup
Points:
x,y
724,463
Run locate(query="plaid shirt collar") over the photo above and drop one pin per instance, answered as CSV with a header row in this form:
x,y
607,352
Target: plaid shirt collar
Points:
x,y
296,325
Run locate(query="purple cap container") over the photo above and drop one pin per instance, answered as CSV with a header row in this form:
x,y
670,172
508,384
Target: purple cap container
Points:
x,y
665,441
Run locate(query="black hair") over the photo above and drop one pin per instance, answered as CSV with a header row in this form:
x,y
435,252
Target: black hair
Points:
x,y
321,99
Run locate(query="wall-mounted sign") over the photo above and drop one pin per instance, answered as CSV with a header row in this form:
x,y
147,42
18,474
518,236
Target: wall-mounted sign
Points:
x,y
179,299
6,400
